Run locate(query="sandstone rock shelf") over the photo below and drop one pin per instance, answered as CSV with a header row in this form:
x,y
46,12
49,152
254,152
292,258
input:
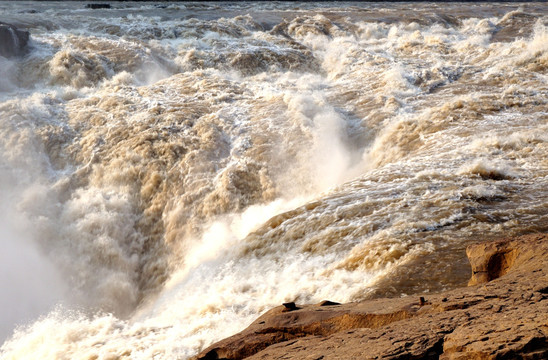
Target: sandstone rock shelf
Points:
x,y
503,314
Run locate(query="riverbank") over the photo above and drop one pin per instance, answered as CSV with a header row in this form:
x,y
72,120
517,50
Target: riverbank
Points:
x,y
502,315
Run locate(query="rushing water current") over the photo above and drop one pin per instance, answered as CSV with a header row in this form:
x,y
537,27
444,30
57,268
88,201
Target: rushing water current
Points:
x,y
169,171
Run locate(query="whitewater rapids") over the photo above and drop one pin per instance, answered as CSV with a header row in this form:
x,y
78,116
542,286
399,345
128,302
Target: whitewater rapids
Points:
x,y
169,171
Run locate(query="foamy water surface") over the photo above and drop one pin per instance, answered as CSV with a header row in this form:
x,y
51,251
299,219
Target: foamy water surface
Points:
x,y
169,171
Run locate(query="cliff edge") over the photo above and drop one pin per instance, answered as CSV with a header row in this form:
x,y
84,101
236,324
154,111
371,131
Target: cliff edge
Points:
x,y
13,41
502,314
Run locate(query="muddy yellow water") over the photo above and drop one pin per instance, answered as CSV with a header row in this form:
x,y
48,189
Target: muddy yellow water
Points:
x,y
168,171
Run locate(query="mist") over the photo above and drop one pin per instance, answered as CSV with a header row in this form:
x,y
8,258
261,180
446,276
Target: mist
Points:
x,y
30,284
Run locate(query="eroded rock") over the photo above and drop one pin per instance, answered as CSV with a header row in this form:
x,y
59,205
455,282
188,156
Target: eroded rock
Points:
x,y
491,260
503,317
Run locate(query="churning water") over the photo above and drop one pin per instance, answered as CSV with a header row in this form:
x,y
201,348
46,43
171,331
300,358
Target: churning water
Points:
x,y
170,171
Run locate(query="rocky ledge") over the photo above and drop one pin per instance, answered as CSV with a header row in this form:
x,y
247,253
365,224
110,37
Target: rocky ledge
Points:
x,y
13,41
502,314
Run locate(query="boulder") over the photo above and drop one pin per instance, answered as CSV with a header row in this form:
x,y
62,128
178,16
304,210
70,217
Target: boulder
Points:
x,y
503,315
98,6
13,42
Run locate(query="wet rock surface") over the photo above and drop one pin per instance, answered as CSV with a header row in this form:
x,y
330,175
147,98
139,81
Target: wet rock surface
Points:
x,y
503,315
13,41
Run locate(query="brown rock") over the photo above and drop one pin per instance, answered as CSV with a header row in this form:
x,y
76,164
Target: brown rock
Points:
x,y
504,318
290,306
328,303
491,260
